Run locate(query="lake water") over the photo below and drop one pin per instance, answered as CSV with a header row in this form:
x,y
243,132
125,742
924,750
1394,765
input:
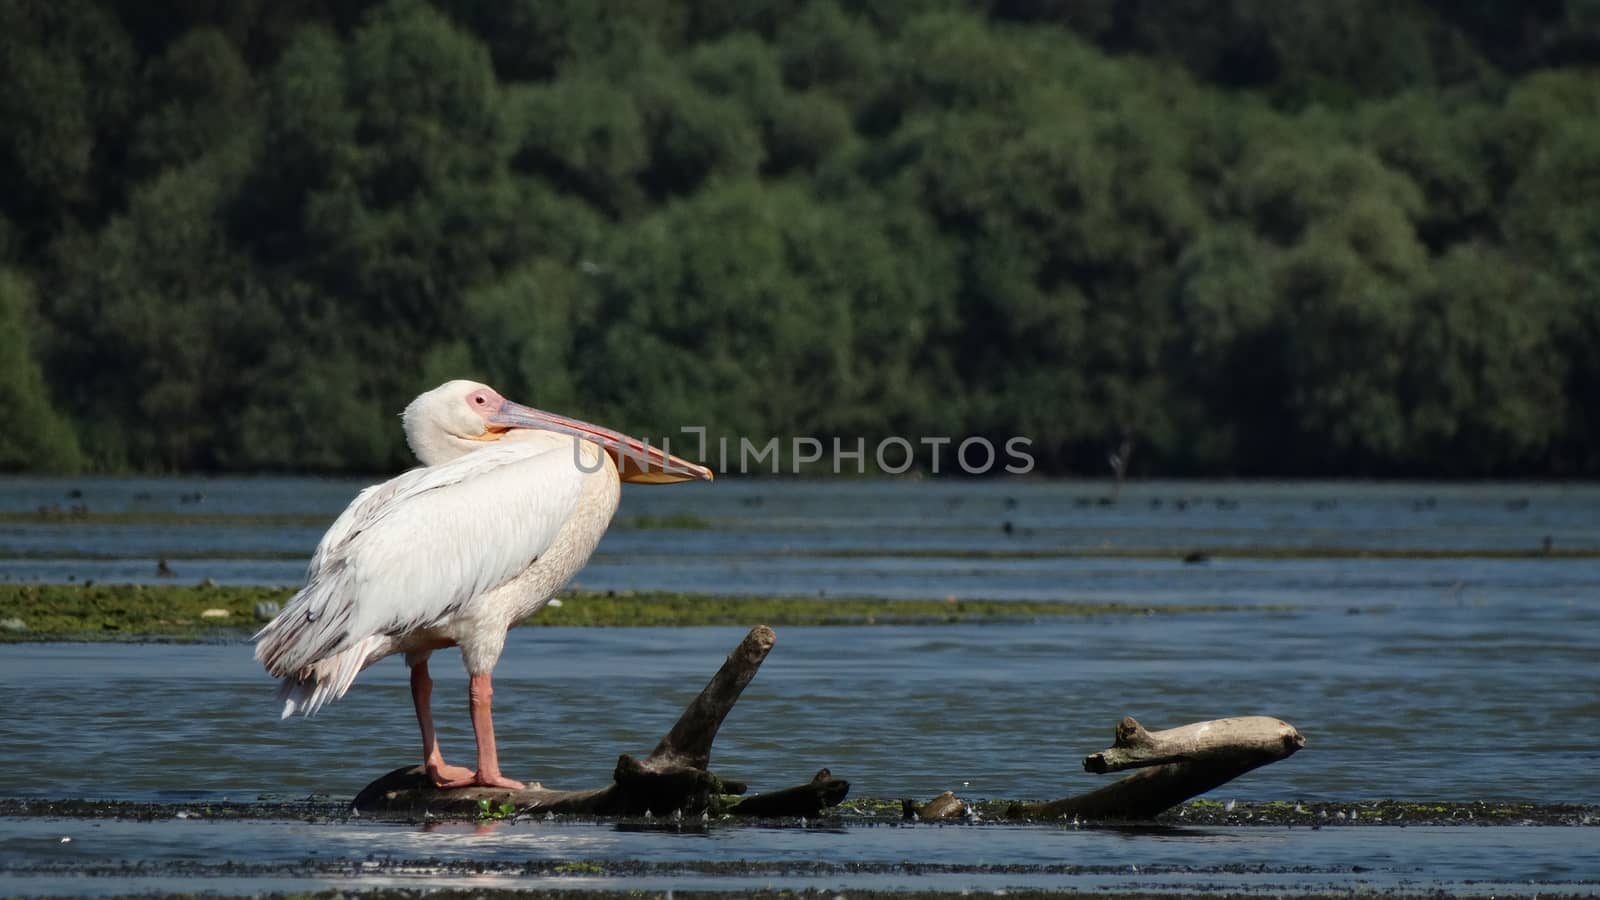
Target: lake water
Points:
x,y
251,857
1462,675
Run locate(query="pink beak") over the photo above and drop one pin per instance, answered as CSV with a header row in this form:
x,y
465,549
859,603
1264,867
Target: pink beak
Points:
x,y
637,461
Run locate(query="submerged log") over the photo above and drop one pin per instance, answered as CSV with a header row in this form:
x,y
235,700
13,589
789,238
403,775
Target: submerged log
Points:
x,y
674,777
409,790
1175,765
808,799
945,806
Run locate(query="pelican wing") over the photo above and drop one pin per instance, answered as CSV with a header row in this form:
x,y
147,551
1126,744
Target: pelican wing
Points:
x,y
410,551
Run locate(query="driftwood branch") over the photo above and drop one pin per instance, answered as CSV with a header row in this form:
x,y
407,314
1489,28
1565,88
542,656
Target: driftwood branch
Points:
x,y
674,777
1135,748
689,741
1175,765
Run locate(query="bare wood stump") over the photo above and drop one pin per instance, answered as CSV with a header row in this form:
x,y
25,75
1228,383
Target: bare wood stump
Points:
x,y
1175,765
673,777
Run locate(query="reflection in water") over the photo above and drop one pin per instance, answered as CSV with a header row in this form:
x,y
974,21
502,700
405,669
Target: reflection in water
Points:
x,y
476,829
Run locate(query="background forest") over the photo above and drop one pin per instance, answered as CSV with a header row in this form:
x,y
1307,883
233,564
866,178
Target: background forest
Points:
x,y
1254,237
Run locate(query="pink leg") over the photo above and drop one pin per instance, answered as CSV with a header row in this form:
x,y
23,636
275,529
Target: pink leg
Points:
x,y
480,691
432,759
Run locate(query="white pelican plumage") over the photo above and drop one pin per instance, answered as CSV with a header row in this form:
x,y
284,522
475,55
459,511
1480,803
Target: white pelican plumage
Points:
x,y
508,506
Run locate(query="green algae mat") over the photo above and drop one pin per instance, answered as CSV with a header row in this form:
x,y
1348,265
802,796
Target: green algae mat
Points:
x,y
33,612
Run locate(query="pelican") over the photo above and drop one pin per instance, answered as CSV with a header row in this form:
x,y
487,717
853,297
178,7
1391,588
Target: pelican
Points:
x,y
508,505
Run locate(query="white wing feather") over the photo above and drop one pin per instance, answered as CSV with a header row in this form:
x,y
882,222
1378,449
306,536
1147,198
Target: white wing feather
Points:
x,y
410,551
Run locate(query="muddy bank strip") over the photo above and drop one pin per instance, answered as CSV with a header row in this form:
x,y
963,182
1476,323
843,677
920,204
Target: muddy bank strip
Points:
x,y
90,612
875,812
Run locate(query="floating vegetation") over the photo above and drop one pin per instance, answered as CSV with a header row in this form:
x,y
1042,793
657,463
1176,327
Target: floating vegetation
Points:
x,y
1203,554
666,608
123,611
74,554
82,515
681,521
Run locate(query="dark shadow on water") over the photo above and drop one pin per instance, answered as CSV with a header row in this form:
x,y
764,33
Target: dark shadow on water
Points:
x,y
699,828
1141,830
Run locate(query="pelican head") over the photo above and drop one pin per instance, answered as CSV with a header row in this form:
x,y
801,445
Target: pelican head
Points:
x,y
458,417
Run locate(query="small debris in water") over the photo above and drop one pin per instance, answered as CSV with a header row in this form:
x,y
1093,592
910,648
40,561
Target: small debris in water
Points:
x,y
66,840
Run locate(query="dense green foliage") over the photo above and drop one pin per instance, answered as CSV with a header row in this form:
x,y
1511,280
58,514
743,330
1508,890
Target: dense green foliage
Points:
x,y
1249,236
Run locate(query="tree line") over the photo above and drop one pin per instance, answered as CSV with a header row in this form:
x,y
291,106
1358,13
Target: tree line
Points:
x,y
1245,237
